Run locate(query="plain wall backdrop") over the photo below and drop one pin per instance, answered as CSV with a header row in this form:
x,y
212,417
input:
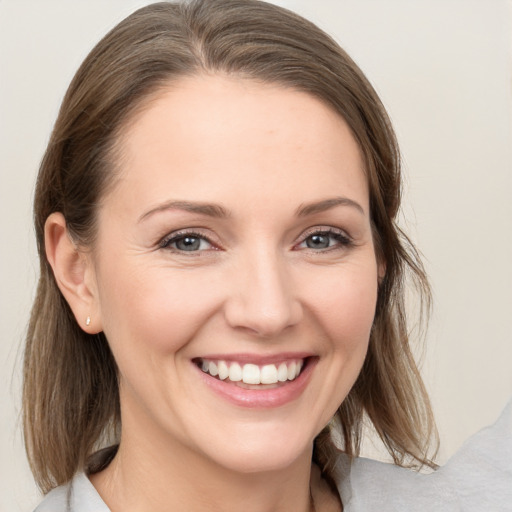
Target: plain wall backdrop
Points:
x,y
443,69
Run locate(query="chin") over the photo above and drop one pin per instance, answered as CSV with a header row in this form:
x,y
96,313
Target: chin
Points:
x,y
261,461
260,451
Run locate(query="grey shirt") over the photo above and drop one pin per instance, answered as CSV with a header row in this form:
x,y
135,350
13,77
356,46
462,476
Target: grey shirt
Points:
x,y
477,479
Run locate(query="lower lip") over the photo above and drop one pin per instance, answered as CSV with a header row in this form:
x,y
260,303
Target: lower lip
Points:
x,y
260,398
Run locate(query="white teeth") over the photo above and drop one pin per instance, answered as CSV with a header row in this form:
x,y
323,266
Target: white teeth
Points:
x,y
252,373
282,373
235,372
223,370
269,374
292,371
212,369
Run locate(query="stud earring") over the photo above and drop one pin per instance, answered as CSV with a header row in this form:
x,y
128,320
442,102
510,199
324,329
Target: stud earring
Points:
x,y
88,321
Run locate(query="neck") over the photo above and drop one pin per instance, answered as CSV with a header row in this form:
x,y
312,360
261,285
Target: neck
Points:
x,y
165,475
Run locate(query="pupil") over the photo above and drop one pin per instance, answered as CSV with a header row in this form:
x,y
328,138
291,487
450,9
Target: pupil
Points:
x,y
188,243
318,242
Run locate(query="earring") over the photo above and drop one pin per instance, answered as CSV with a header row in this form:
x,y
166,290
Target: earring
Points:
x,y
88,321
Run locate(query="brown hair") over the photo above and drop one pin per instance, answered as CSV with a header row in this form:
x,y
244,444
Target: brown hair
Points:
x,y
71,400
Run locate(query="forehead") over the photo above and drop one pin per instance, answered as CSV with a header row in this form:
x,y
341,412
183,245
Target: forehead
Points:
x,y
207,132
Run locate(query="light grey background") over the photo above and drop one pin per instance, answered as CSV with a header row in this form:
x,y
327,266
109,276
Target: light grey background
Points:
x,y
443,69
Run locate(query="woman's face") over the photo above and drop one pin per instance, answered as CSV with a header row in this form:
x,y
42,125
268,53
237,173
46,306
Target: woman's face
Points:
x,y
235,252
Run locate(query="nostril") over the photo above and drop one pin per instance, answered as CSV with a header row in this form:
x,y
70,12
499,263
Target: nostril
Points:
x,y
264,321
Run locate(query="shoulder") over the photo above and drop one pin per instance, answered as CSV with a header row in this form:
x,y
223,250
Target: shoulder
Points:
x,y
79,495
57,500
478,477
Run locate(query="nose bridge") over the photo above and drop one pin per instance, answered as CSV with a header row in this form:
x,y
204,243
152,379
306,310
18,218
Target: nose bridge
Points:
x,y
263,298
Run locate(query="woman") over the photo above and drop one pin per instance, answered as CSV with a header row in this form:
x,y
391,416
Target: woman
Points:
x,y
221,274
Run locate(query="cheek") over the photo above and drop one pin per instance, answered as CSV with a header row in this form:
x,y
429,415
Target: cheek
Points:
x,y
345,303
151,308
343,306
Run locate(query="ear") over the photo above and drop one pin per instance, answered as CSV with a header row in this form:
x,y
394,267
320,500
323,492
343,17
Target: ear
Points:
x,y
74,273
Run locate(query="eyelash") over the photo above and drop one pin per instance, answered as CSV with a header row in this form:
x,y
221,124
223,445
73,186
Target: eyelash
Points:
x,y
182,235
341,238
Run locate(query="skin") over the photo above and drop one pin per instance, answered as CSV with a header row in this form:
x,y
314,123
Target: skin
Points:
x,y
256,287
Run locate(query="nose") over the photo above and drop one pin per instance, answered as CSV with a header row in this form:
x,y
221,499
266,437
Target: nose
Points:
x,y
263,298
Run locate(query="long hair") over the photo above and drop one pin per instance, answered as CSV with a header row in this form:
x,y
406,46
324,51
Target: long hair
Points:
x,y
70,396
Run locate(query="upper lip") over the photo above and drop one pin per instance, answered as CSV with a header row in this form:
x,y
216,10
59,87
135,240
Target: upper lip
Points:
x,y
259,359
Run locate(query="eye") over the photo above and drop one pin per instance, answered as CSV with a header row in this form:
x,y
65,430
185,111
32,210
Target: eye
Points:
x,y
186,242
323,239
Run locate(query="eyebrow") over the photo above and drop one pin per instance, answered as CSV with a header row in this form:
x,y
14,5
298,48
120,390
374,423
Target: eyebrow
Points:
x,y
211,210
326,204
217,211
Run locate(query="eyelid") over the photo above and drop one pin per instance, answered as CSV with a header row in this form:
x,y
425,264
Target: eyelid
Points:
x,y
324,229
168,239
345,240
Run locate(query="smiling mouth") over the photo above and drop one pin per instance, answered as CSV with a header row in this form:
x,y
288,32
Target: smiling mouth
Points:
x,y
252,376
